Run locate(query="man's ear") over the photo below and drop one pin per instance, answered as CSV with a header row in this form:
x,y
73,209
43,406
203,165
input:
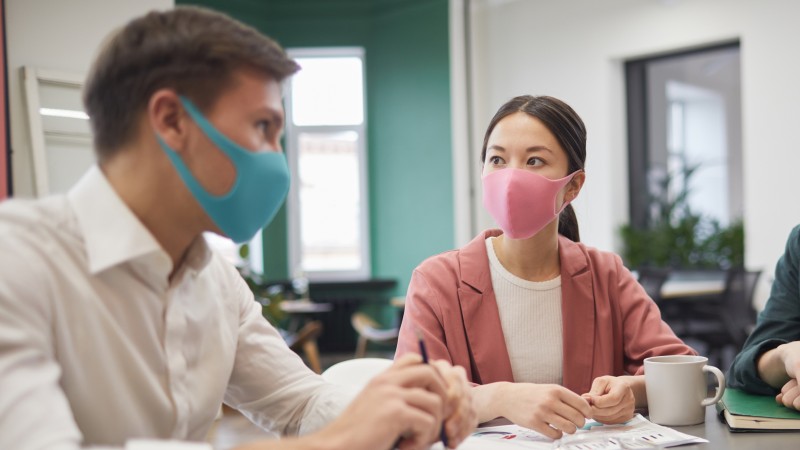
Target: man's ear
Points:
x,y
574,186
167,118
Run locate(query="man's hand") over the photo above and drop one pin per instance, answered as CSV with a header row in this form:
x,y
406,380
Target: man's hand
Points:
x,y
611,399
460,414
790,392
407,404
790,356
790,395
780,365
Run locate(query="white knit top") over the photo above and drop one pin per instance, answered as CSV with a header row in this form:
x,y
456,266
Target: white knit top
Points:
x,y
530,315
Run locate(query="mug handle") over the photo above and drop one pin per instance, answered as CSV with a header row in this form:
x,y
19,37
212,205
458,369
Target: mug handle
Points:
x,y
720,385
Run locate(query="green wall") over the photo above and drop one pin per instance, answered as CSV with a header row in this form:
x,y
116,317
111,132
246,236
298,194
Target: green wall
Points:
x,y
408,100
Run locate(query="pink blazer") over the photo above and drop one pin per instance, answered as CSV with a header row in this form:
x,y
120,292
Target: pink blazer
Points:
x,y
610,325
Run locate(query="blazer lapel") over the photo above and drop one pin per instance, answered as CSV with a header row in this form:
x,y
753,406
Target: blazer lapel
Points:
x,y
578,317
489,356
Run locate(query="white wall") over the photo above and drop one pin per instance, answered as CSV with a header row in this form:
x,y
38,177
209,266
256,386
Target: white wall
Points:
x,y
61,35
575,49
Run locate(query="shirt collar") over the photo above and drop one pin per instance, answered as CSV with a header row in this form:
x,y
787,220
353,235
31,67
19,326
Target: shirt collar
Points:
x,y
114,235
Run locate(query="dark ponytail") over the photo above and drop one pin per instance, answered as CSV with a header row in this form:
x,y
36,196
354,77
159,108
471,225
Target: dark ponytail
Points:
x,y
568,129
568,224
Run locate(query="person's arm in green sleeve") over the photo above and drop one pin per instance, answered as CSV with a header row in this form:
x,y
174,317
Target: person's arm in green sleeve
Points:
x,y
760,367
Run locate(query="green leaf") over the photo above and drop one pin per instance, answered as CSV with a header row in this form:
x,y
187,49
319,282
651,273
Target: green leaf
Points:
x,y
679,237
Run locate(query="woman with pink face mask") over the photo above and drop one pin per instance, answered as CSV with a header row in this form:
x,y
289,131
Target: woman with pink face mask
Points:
x,y
550,331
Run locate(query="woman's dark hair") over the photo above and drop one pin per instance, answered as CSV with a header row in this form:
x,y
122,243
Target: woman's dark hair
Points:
x,y
566,126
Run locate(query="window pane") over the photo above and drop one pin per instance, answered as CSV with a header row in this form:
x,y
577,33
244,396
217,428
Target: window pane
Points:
x,y
693,110
330,201
328,91
702,130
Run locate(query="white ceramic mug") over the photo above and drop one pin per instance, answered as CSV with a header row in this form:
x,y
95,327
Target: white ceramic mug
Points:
x,y
676,389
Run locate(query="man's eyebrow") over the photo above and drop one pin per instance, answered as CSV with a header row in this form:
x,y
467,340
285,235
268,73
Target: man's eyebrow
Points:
x,y
275,114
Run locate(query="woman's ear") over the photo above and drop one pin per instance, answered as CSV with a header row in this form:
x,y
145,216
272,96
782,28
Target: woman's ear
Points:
x,y
574,186
168,118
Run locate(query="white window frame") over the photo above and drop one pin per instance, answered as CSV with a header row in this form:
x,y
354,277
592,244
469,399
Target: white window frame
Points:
x,y
292,145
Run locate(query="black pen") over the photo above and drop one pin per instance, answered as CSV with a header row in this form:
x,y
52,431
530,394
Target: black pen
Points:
x,y
424,353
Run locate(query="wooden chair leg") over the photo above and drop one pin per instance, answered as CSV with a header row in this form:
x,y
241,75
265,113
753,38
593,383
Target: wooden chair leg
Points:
x,y
312,355
361,347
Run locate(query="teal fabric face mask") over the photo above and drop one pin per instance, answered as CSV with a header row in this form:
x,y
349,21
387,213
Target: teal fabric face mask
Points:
x,y
262,182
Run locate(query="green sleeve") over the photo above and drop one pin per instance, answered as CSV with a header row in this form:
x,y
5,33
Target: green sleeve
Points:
x,y
777,324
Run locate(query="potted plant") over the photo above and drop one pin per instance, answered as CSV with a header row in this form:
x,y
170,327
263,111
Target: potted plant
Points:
x,y
269,296
677,236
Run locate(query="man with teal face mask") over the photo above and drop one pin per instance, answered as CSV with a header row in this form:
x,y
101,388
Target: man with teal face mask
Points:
x,y
119,327
262,178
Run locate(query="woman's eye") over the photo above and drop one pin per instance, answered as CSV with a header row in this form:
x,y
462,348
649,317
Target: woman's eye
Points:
x,y
496,160
535,162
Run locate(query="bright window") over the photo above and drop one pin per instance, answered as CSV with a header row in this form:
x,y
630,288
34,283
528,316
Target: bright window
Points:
x,y
684,112
326,148
328,91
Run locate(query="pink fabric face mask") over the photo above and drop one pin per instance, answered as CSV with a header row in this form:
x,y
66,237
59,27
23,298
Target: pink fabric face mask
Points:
x,y
522,202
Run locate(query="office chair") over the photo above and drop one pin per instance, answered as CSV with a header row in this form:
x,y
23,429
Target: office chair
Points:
x,y
355,373
728,323
369,330
652,280
305,341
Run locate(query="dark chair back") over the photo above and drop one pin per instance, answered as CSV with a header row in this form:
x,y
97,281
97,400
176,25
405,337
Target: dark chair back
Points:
x,y
737,305
652,279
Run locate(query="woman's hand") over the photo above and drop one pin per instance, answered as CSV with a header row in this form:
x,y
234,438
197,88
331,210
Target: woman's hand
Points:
x,y
549,409
611,399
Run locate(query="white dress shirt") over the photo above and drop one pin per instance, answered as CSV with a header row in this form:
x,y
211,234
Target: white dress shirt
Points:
x,y
98,347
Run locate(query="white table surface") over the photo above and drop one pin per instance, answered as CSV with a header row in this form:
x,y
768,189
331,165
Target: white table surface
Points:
x,y
718,435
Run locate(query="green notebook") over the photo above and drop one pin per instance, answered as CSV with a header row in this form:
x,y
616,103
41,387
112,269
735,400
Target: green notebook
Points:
x,y
747,412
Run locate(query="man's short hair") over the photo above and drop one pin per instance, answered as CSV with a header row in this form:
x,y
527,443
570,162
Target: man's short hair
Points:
x,y
192,50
